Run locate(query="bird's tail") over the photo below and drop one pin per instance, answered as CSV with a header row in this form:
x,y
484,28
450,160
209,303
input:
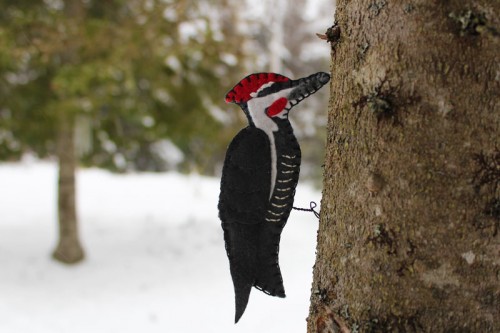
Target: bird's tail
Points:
x,y
242,290
241,246
268,273
253,257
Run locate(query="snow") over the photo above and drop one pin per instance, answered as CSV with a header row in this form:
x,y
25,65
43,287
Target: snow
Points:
x,y
155,258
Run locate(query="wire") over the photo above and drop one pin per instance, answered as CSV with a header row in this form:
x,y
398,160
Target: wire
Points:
x,y
311,209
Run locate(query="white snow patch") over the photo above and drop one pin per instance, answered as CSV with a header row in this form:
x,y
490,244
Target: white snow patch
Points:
x,y
192,29
163,96
119,161
173,63
148,121
168,152
170,14
155,257
229,59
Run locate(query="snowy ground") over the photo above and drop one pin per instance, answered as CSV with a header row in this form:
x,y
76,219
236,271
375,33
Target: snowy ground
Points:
x,y
155,258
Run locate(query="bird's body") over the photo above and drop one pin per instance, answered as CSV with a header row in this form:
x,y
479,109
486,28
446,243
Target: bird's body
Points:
x,y
259,177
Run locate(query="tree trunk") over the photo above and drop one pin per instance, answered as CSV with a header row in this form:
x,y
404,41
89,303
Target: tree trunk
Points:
x,y
68,250
408,238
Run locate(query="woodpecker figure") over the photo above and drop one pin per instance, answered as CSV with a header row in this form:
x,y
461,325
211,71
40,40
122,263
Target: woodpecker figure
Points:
x,y
260,173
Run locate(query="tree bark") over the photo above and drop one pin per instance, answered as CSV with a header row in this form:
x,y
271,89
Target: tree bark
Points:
x,y
408,238
69,249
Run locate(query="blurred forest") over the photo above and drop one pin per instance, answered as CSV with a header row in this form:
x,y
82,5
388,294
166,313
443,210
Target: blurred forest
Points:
x,y
140,83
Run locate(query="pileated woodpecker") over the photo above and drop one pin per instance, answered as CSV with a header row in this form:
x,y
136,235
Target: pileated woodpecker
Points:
x,y
260,173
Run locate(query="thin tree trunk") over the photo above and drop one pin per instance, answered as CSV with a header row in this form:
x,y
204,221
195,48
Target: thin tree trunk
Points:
x,y
68,249
408,238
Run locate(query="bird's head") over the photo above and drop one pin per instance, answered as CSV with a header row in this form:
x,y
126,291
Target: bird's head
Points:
x,y
264,96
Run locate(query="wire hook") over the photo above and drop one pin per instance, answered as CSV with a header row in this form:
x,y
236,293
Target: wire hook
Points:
x,y
311,209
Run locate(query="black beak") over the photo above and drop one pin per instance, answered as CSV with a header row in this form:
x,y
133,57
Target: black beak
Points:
x,y
307,86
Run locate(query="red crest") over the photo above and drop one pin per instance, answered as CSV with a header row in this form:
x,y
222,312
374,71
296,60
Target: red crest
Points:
x,y
250,84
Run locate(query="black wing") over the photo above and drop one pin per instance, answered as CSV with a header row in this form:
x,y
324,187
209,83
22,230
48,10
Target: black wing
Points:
x,y
243,201
246,178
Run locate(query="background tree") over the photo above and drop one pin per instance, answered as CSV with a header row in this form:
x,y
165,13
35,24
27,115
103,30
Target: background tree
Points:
x,y
144,71
68,249
408,238
120,79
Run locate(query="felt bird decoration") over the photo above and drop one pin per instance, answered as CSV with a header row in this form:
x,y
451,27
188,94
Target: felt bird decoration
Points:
x,y
260,173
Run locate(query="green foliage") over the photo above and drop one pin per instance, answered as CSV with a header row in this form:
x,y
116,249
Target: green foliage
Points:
x,y
135,71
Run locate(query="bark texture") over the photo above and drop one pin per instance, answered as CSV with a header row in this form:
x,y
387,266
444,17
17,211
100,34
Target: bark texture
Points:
x,y
408,238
